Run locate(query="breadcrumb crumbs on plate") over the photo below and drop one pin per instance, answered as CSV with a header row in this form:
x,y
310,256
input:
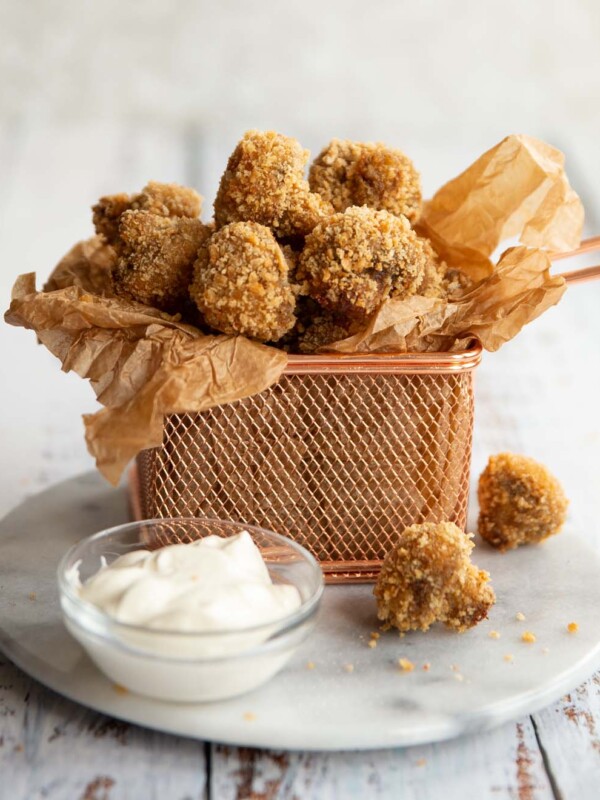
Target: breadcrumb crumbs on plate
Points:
x,y
520,616
310,665
572,627
32,596
120,689
454,667
405,665
426,666
459,677
249,716
494,634
373,643
348,667
528,637
420,762
509,657
375,635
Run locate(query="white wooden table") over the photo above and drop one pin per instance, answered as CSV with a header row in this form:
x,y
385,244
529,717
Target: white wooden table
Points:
x,y
539,396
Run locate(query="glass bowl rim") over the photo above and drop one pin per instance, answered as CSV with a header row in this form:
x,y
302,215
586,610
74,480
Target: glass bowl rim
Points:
x,y
277,626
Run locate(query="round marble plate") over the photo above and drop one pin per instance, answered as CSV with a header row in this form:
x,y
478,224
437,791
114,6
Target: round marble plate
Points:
x,y
354,696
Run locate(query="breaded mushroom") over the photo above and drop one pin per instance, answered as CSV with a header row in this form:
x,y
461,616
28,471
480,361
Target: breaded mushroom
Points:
x,y
432,282
164,199
520,502
106,215
357,259
428,577
322,330
369,174
264,182
156,258
241,283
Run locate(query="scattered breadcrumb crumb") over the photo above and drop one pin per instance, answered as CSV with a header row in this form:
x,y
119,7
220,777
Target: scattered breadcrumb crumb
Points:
x,y
426,666
249,716
528,637
458,676
348,667
454,667
509,657
120,689
373,643
520,616
494,634
33,596
375,635
310,665
405,665
572,627
420,762
18,748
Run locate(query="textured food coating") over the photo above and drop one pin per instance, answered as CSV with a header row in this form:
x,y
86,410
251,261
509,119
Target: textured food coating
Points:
x,y
264,182
520,502
241,283
106,215
369,174
164,199
321,331
156,258
432,281
357,259
428,577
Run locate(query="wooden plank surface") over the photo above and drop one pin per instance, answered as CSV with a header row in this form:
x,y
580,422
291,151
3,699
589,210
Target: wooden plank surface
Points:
x,y
538,395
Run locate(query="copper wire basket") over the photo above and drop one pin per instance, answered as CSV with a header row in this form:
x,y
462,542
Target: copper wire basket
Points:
x,y
340,454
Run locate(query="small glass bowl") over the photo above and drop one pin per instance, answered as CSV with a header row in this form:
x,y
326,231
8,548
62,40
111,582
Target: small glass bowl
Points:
x,y
187,666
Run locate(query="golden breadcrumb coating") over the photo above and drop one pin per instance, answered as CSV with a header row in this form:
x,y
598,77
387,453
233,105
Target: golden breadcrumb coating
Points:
x,y
428,577
264,182
321,331
432,282
164,199
357,259
156,258
370,174
168,200
241,283
107,213
520,502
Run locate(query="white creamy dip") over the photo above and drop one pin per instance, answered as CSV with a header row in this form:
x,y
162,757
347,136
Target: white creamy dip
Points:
x,y
186,622
213,584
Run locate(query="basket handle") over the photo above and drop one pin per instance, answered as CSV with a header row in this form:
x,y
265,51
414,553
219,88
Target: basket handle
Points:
x,y
585,274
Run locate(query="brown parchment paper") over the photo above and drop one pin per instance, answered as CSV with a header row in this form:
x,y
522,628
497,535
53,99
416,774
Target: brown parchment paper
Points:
x,y
143,364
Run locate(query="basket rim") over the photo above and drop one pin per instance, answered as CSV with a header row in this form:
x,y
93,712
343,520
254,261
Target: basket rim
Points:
x,y
408,363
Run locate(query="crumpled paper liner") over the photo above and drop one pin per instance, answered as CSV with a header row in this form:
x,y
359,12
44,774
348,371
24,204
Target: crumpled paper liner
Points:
x,y
144,364
141,363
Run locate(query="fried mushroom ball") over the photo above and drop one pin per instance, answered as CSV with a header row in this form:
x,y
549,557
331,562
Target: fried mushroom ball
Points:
x,y
520,502
264,182
241,283
349,173
321,331
357,259
156,258
428,577
164,199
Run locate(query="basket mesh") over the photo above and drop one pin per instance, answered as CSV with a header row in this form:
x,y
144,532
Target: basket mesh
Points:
x,y
339,462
